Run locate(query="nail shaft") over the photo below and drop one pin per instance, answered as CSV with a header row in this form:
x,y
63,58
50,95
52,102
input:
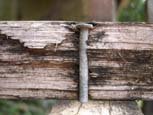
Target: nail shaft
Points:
x,y
83,64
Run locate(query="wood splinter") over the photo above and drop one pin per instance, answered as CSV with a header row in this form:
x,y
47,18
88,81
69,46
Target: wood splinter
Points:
x,y
83,61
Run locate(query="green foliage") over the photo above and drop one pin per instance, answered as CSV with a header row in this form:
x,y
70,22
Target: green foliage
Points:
x,y
22,107
134,12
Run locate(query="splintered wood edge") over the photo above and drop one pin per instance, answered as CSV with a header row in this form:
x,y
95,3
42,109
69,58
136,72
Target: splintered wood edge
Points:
x,y
105,35
36,34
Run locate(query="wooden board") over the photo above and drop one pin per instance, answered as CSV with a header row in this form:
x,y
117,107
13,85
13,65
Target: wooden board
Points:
x,y
40,60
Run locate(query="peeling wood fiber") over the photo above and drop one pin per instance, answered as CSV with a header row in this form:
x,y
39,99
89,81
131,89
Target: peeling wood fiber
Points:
x,y
40,60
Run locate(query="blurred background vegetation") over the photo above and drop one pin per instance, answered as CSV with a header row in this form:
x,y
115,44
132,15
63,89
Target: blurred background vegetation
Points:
x,y
133,11
25,107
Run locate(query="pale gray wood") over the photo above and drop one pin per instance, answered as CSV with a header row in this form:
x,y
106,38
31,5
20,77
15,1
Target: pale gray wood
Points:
x,y
40,60
96,108
150,10
114,10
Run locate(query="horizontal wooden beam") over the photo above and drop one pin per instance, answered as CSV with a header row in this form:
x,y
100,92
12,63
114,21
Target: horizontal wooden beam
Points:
x,y
40,60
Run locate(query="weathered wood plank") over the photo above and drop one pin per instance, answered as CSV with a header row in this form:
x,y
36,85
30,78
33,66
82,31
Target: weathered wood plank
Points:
x,y
40,60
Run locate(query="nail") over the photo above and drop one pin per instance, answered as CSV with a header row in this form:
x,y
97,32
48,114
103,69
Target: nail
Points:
x,y
83,64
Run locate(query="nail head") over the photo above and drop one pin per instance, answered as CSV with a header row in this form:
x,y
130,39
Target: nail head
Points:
x,y
84,26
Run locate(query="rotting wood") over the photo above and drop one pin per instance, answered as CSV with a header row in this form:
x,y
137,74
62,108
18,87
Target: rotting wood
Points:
x,y
40,60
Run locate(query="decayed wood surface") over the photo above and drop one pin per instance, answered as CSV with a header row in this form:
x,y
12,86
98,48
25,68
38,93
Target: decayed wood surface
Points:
x,y
96,108
40,60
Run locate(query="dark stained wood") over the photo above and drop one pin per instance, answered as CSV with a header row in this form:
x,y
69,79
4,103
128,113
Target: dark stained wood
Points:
x,y
40,60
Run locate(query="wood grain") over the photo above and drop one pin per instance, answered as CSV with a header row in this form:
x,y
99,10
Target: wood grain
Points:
x,y
40,60
68,107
